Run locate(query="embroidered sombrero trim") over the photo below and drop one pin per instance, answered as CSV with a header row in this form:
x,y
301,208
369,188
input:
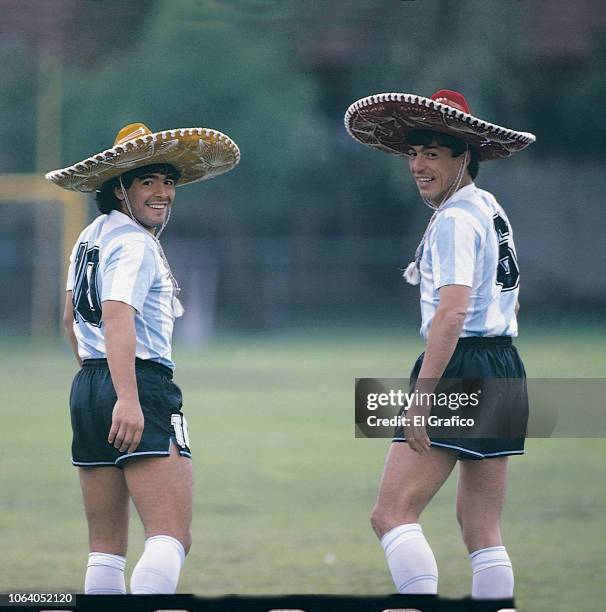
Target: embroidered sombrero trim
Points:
x,y
361,124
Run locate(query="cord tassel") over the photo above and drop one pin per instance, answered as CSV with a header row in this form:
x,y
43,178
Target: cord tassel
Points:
x,y
411,274
178,309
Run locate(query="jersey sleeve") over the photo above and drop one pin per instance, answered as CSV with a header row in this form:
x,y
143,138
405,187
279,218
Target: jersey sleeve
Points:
x,y
454,244
128,271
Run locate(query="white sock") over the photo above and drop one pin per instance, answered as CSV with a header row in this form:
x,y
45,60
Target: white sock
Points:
x,y
105,574
492,574
157,571
410,559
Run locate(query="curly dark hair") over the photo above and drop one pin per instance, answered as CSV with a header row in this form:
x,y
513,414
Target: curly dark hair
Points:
x,y
456,145
105,197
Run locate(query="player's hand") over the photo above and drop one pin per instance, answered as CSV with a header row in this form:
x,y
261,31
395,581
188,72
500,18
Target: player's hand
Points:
x,y
415,431
127,425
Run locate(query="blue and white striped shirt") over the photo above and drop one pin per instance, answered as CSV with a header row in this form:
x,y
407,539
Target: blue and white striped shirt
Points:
x,y
470,242
116,259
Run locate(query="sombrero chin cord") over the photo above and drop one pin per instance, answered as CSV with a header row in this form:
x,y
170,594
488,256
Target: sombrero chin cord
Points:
x,y
178,309
412,272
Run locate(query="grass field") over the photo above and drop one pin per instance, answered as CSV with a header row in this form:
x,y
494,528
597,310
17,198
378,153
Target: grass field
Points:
x,y
283,489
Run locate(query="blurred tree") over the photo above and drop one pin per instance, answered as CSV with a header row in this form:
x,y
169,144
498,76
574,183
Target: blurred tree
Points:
x,y
77,30
18,72
192,69
92,30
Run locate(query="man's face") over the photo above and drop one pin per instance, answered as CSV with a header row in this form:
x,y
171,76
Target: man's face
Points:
x,y
151,197
434,170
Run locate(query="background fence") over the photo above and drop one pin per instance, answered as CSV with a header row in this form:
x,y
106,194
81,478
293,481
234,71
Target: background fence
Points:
x,y
270,282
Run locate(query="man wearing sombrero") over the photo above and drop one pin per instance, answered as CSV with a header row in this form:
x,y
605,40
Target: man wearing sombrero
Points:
x,y
469,279
130,438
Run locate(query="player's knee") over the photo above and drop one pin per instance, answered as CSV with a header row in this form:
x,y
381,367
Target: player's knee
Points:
x,y
376,520
461,519
186,542
383,518
184,537
404,509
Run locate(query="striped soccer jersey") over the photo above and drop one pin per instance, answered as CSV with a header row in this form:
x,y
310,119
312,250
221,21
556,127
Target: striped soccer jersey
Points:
x,y
116,259
470,242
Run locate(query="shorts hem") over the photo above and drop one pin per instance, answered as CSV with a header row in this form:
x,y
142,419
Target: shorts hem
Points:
x,y
121,458
93,463
509,452
142,454
465,451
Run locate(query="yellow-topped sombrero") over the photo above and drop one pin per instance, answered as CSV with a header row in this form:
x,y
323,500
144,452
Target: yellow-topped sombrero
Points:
x,y
197,153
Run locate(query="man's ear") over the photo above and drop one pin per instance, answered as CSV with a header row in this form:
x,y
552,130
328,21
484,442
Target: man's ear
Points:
x,y
118,193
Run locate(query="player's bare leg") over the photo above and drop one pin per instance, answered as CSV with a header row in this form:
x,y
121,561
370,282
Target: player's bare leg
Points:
x,y
162,490
480,498
409,482
106,506
481,494
106,503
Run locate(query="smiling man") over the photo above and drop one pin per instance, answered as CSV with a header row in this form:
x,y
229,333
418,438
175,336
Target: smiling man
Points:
x,y
130,437
469,279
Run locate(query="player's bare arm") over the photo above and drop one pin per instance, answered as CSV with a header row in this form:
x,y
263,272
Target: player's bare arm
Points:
x,y
441,342
127,419
68,325
444,332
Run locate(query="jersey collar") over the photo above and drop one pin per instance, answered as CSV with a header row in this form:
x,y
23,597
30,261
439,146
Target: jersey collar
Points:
x,y
124,219
458,195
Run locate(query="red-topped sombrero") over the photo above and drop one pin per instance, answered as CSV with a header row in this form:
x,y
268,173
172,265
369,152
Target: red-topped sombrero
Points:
x,y
382,120
198,153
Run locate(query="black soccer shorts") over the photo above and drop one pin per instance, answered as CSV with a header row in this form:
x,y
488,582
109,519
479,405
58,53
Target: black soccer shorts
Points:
x,y
92,401
492,369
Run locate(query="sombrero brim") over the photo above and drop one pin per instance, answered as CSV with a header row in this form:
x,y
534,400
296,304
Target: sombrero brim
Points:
x,y
382,120
198,153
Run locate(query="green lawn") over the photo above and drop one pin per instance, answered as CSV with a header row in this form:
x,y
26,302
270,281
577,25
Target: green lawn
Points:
x,y
283,489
